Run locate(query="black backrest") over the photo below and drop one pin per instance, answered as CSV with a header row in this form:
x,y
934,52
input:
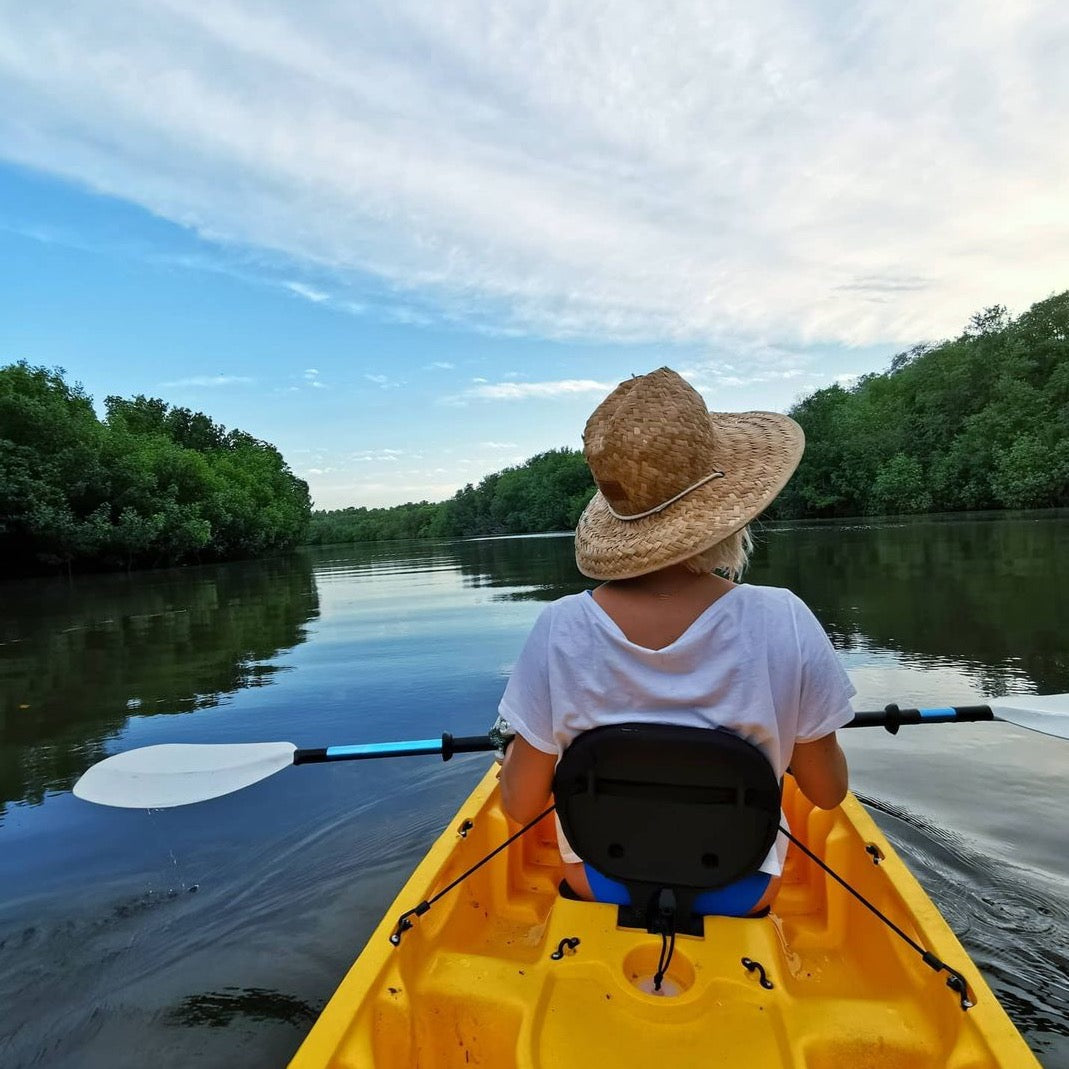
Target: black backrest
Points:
x,y
659,806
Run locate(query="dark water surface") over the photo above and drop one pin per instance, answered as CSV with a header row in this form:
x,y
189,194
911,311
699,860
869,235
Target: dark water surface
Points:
x,y
212,935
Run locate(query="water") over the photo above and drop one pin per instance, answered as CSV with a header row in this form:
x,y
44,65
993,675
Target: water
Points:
x,y
213,934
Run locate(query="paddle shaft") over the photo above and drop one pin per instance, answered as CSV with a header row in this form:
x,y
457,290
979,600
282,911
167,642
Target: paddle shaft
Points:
x,y
446,746
891,718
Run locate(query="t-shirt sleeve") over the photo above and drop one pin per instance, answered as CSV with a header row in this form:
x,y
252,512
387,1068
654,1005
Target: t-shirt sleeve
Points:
x,y
826,690
526,701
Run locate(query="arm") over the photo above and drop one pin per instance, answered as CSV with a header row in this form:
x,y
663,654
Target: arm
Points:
x,y
526,780
819,768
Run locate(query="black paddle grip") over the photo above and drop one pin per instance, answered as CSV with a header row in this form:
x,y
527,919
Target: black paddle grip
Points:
x,y
465,744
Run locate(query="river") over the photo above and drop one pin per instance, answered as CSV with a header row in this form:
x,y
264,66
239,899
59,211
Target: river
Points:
x,y
211,935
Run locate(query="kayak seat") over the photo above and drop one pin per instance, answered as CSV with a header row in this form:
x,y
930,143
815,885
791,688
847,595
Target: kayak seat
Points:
x,y
668,811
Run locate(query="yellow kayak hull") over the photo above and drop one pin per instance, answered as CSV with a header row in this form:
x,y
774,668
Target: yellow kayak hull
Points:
x,y
474,984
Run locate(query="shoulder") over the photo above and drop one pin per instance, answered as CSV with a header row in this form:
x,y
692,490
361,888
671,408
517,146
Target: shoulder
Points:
x,y
562,612
779,607
771,598
569,606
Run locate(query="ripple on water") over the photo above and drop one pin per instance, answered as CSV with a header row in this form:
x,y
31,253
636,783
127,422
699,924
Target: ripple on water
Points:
x,y
1011,919
217,1009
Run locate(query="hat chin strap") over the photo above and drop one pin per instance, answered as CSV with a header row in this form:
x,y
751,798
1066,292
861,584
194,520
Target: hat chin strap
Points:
x,y
671,501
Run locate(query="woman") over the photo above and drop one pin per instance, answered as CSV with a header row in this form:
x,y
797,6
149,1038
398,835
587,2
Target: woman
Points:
x,y
665,636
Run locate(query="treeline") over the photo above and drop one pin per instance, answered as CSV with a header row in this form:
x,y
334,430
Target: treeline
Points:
x,y
547,493
979,422
149,485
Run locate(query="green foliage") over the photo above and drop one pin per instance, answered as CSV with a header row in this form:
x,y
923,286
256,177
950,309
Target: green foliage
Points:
x,y
547,493
978,422
151,485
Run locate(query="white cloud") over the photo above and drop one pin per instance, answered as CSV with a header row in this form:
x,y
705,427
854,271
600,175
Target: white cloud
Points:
x,y
778,170
364,456
207,380
384,382
439,365
521,391
309,293
498,445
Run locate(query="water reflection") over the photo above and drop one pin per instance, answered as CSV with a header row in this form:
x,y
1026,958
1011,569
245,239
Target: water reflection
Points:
x,y
78,660
987,594
984,593
217,1009
107,952
534,568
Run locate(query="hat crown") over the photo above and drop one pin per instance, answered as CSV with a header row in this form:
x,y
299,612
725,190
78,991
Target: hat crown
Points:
x,y
648,441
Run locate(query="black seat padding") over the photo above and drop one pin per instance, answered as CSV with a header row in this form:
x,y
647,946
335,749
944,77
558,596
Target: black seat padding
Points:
x,y
661,807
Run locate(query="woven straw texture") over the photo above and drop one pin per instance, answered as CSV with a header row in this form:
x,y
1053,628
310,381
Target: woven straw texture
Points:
x,y
651,439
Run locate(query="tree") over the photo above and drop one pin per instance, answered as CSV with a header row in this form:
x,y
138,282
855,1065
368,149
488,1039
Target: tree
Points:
x,y
149,485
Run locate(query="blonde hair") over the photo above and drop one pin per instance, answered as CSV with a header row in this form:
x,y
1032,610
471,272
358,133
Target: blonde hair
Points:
x,y
729,556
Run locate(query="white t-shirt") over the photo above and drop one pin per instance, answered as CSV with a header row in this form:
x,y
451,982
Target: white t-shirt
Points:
x,y
756,662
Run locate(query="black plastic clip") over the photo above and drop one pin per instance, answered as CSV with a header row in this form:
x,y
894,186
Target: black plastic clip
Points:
x,y
955,981
894,718
958,984
570,944
750,966
405,925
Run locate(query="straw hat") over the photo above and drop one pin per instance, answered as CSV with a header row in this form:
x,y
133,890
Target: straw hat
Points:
x,y
674,478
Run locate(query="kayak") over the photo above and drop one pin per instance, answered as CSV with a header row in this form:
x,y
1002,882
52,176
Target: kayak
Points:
x,y
504,972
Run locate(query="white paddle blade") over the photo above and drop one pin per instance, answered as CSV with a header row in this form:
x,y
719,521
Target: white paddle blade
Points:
x,y
158,777
1046,713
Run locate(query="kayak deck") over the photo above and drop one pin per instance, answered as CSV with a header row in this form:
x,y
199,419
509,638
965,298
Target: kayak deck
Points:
x,y
473,983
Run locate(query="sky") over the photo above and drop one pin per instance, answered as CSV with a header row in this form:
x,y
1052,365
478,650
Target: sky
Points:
x,y
413,243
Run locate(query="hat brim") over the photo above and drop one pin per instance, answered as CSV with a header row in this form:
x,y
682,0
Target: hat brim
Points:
x,y
757,451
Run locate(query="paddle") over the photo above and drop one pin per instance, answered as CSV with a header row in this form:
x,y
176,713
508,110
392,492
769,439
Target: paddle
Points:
x,y
158,777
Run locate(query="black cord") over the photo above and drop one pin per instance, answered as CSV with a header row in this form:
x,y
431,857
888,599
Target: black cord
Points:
x,y
668,947
955,981
403,922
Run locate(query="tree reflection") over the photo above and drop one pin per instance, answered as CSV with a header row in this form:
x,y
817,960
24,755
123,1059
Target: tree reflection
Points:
x,y
984,591
78,660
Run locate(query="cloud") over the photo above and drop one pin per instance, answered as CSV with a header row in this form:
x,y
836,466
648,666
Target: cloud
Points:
x,y
498,445
439,365
717,374
365,456
309,293
384,382
521,391
207,380
782,170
